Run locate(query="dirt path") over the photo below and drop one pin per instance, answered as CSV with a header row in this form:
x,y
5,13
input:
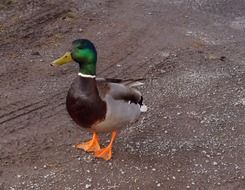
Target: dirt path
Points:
x,y
192,54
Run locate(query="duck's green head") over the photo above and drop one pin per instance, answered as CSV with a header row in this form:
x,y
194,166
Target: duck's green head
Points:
x,y
84,53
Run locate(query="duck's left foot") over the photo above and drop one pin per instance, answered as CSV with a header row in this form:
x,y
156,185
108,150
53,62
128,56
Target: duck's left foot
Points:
x,y
106,153
90,146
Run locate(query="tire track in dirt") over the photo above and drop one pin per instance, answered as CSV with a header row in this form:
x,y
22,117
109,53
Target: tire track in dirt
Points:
x,y
37,109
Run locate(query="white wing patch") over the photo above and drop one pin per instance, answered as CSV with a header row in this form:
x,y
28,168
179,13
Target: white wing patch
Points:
x,y
143,108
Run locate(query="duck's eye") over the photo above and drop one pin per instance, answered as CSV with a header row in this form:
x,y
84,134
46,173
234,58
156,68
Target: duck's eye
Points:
x,y
80,47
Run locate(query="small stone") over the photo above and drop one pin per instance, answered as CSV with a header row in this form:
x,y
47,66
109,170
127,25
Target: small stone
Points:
x,y
174,150
154,169
89,179
158,185
18,176
215,163
237,167
35,53
222,58
164,53
87,186
45,166
188,187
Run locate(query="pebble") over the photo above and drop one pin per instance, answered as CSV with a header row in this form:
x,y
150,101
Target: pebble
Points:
x,y
89,179
122,172
215,163
164,54
88,186
174,150
202,121
35,53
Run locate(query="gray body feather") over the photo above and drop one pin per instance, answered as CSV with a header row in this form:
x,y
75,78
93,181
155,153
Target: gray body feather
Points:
x,y
121,104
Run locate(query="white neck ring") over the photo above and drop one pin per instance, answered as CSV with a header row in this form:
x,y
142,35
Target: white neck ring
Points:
x,y
86,76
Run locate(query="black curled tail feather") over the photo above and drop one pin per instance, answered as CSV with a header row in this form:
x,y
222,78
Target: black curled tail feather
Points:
x,y
141,101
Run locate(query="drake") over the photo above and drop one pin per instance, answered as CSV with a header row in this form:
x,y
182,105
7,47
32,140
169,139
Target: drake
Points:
x,y
98,104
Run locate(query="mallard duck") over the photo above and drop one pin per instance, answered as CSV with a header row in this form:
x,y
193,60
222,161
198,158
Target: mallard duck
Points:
x,y
98,104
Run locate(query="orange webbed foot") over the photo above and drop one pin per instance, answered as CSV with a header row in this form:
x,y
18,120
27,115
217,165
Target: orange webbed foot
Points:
x,y
90,146
106,153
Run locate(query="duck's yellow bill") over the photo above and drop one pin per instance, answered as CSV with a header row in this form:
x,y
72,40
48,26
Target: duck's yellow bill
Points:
x,y
62,60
